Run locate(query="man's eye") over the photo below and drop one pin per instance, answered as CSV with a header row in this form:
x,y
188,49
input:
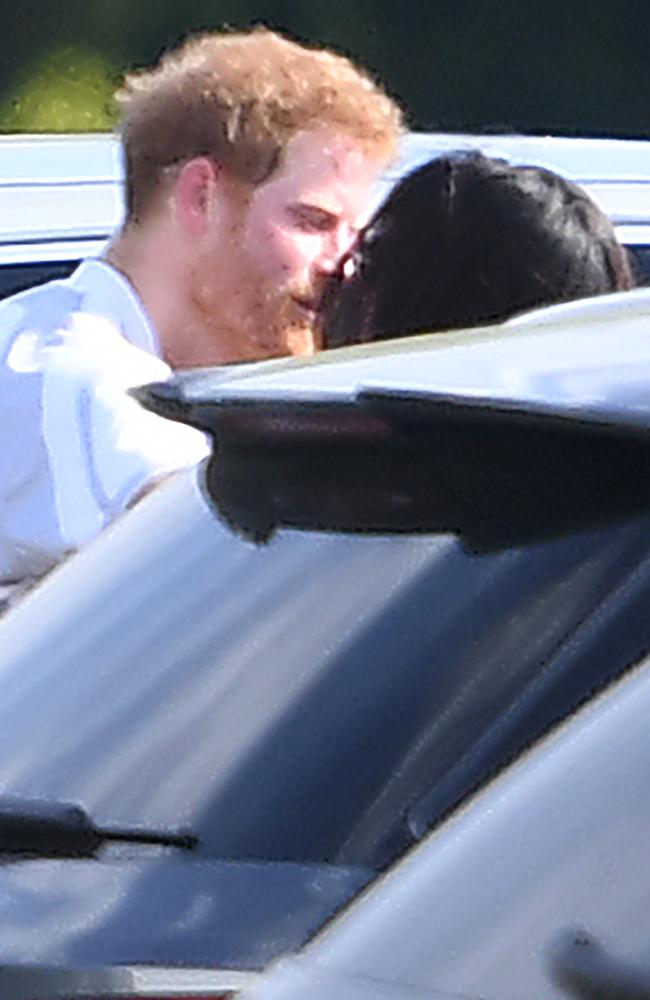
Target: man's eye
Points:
x,y
313,220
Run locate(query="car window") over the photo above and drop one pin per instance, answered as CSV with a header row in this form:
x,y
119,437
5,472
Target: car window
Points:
x,y
17,277
318,698
641,263
539,888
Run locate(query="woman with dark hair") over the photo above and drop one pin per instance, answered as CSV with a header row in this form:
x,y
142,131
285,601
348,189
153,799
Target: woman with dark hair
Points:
x,y
467,240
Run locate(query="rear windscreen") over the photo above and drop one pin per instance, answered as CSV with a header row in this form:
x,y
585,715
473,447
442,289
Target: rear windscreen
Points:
x,y
306,700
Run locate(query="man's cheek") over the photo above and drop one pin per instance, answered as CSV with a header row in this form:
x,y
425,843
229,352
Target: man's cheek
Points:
x,y
295,251
275,256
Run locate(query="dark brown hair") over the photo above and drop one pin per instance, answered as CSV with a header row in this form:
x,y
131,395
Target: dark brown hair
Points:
x,y
468,240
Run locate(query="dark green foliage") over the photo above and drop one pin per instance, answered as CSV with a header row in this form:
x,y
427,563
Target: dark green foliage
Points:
x,y
528,65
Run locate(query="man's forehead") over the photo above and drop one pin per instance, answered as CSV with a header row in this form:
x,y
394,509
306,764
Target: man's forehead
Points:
x,y
320,164
336,151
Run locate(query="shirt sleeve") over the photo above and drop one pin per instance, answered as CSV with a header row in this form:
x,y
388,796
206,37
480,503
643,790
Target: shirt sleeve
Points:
x,y
102,447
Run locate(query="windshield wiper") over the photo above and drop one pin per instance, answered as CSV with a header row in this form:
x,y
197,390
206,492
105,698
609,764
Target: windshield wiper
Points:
x,y
64,830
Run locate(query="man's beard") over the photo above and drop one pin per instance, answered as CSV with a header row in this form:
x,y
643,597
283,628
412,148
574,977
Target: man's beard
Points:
x,y
294,326
269,323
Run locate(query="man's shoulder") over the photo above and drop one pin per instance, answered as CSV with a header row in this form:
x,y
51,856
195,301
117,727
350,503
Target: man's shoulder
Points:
x,y
54,329
39,310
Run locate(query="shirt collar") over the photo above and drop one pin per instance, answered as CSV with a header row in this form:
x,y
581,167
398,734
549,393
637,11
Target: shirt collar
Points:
x,y
108,293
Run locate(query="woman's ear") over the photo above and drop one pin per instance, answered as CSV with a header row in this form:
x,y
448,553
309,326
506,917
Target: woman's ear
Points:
x,y
195,194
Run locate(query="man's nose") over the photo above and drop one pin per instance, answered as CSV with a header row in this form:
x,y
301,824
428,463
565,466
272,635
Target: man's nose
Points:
x,y
335,247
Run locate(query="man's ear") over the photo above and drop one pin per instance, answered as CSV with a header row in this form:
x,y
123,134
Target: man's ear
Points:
x,y
195,195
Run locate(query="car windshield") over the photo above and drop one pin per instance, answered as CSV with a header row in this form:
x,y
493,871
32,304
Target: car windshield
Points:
x,y
301,700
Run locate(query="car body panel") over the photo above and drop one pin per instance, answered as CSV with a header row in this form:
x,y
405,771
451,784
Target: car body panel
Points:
x,y
60,196
47,982
586,361
555,845
141,907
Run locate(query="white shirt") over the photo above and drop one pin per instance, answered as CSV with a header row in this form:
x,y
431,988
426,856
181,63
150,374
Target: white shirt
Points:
x,y
75,448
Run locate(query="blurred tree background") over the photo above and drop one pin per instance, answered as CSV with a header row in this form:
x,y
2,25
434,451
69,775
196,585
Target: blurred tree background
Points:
x,y
563,66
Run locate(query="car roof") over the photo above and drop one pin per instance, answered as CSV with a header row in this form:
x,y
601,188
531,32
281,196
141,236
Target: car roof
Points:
x,y
586,361
61,195
616,172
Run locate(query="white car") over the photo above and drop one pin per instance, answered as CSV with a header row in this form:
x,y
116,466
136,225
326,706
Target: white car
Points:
x,y
397,746
359,708
61,196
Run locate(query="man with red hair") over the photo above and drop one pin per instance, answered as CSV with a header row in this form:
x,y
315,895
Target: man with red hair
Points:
x,y
249,164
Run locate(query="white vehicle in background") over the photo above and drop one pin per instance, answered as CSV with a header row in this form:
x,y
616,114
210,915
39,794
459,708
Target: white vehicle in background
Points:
x,y
61,197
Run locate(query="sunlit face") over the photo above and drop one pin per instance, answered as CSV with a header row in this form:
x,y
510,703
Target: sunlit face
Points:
x,y
287,239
